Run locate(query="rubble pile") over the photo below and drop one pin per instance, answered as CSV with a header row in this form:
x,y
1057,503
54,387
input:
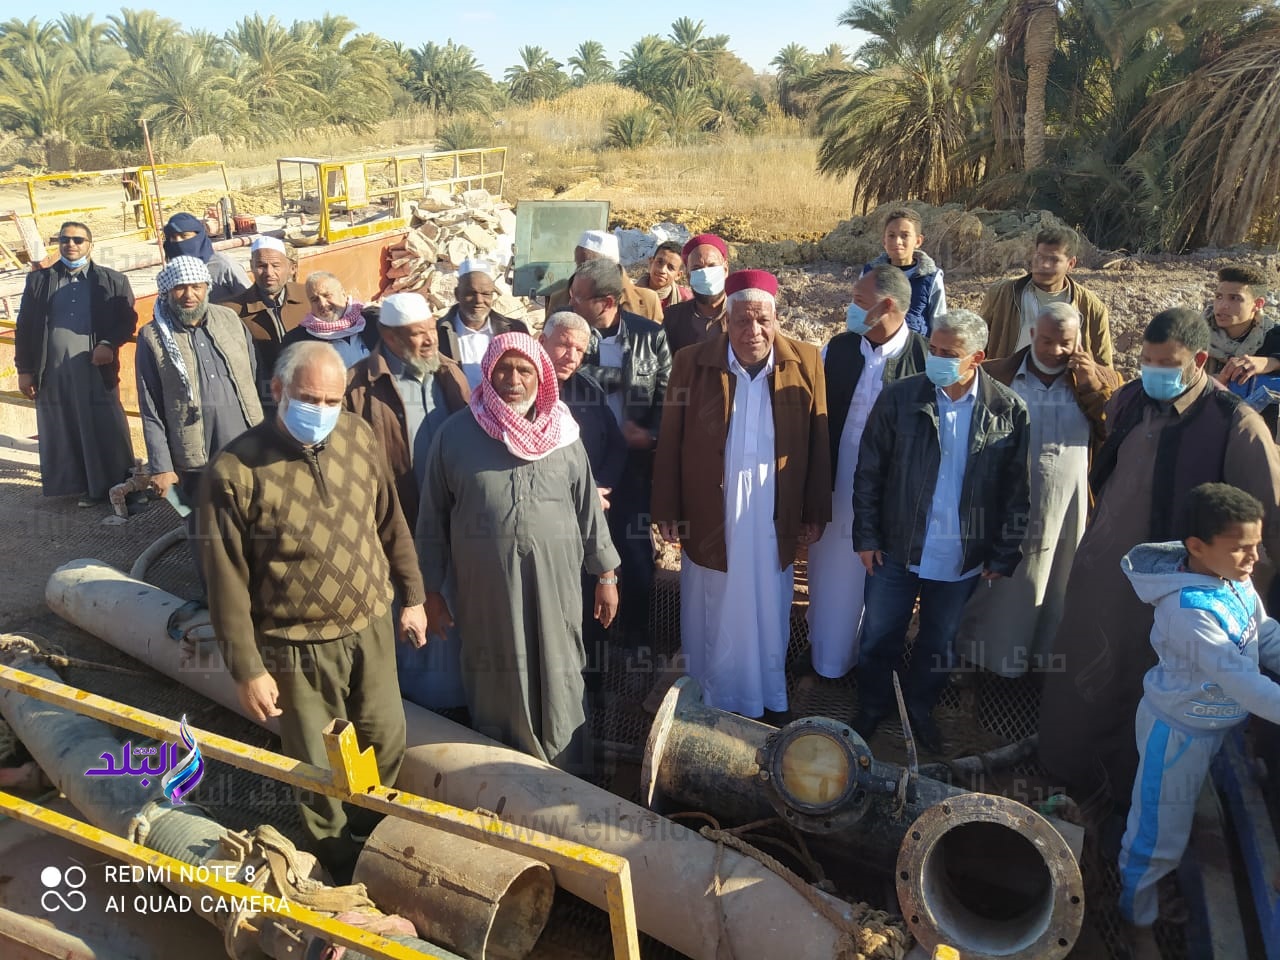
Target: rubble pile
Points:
x,y
447,229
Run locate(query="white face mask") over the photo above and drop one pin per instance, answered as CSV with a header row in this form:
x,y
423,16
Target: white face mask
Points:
x,y
1047,371
709,281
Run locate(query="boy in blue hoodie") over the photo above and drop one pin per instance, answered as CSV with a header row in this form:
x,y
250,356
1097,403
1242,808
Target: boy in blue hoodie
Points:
x,y
1210,633
902,239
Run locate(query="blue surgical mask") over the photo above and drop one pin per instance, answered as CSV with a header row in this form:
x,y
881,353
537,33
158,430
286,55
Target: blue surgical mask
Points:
x,y
74,264
1163,383
709,281
855,319
942,371
308,423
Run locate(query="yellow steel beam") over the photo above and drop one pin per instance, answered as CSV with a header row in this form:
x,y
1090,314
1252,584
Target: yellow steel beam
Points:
x,y
18,400
340,745
293,914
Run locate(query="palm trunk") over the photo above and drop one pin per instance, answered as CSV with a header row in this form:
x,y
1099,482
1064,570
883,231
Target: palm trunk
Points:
x,y
1038,49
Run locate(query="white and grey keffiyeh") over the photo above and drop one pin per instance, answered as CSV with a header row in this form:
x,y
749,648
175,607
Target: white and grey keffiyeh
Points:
x,y
178,271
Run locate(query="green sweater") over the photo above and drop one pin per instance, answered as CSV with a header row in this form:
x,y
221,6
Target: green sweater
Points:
x,y
298,543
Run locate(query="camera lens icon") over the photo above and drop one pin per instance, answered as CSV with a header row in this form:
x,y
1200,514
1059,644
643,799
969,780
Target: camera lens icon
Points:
x,y
62,889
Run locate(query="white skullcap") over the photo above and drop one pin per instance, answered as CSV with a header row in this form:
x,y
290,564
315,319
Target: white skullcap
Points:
x,y
402,309
180,271
263,242
475,265
602,242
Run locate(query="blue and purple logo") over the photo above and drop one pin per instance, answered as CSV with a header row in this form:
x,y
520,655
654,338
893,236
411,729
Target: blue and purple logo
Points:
x,y
179,775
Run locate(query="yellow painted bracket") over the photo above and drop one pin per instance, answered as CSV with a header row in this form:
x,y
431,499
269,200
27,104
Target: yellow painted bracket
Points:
x,y
295,915
342,750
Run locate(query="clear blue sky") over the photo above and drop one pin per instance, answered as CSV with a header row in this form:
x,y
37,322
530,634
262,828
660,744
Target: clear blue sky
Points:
x,y
495,29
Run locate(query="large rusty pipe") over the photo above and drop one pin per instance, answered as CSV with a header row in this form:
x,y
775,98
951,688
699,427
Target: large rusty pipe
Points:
x,y
479,901
672,868
27,938
981,873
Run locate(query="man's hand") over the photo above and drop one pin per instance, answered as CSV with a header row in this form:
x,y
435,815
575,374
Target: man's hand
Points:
x,y
991,576
669,531
604,496
439,620
1240,369
413,625
161,482
606,601
1085,370
871,559
810,532
258,697
102,355
637,437
27,385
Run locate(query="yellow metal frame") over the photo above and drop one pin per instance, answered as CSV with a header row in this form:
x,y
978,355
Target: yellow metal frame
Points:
x,y
330,219
353,777
90,836
146,176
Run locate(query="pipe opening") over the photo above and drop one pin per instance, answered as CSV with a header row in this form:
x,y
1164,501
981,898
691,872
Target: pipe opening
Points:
x,y
522,913
989,889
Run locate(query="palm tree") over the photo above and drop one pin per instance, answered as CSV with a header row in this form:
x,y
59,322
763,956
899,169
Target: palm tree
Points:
x,y
590,65
793,62
728,108
690,58
1225,173
448,79
184,97
45,94
273,71
641,68
536,77
142,32
683,112
633,129
90,42
900,130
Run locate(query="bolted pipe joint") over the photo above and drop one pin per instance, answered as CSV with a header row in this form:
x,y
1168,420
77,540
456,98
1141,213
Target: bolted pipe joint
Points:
x,y
1031,908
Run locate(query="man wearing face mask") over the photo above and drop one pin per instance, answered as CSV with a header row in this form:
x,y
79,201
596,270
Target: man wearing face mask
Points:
x,y
303,541
940,501
1009,628
706,259
186,236
1167,433
73,318
196,372
878,348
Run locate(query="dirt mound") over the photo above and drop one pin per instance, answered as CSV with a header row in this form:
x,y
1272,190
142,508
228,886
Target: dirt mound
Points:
x,y
732,229
249,203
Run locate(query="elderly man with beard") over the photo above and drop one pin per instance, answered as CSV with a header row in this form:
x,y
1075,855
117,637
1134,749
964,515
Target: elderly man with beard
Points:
x,y
405,390
511,515
196,376
742,479
706,258
271,307
465,331
336,318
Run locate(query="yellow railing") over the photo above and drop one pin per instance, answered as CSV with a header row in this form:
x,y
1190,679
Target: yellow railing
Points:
x,y
353,777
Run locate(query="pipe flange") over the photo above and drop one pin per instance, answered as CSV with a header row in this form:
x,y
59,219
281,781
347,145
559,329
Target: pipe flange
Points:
x,y
1032,910
811,768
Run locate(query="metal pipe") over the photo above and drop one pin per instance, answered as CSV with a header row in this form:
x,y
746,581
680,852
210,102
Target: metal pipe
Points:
x,y
66,745
479,901
672,867
979,872
27,938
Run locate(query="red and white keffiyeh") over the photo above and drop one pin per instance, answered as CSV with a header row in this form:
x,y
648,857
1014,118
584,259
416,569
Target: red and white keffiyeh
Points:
x,y
552,426
351,322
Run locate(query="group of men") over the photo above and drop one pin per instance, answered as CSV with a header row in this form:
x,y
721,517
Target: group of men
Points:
x,y
986,469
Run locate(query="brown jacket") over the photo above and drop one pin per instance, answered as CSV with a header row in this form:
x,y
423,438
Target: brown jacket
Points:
x,y
1092,403
635,299
688,473
1002,309
372,396
253,313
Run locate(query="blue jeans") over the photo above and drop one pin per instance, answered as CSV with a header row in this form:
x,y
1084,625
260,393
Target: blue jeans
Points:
x,y
890,597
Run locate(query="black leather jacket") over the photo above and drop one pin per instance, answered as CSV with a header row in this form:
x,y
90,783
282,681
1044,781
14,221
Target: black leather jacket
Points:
x,y
646,368
898,466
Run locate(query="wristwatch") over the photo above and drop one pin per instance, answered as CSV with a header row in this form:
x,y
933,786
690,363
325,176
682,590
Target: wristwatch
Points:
x,y
608,581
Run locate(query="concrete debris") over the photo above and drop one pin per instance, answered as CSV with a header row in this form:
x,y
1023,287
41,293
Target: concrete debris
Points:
x,y
637,246
447,229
